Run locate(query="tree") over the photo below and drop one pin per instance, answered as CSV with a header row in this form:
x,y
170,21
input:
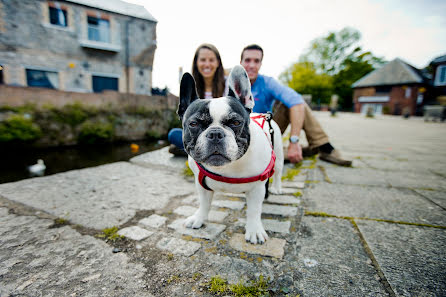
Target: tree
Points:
x,y
303,78
340,56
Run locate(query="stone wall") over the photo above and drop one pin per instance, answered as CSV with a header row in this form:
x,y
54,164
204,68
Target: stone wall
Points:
x,y
63,118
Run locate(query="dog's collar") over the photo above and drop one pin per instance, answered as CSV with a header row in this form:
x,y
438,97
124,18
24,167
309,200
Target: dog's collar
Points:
x,y
267,173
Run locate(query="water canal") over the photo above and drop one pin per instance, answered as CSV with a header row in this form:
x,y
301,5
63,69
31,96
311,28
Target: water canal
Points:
x,y
14,162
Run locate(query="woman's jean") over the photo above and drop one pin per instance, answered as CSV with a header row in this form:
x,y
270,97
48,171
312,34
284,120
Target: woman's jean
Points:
x,y
175,137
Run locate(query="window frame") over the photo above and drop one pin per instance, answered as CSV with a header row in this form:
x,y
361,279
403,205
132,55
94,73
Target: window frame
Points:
x,y
105,76
56,87
441,69
97,28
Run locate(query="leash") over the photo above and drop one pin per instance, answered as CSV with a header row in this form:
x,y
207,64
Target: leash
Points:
x,y
266,174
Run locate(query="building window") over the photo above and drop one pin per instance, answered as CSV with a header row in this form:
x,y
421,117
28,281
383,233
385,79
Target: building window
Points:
x,y
101,83
383,89
440,76
58,15
98,29
42,79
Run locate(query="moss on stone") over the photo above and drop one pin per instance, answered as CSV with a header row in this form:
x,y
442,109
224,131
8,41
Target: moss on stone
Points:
x,y
110,234
220,287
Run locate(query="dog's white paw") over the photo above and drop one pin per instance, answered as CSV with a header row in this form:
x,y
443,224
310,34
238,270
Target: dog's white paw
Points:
x,y
275,191
256,234
194,222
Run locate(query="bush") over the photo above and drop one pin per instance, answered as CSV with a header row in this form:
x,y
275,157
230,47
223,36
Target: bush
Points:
x,y
92,133
72,114
19,128
386,109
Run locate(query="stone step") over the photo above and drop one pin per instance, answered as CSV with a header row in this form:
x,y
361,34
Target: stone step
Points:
x,y
135,233
178,246
273,247
214,215
281,210
207,231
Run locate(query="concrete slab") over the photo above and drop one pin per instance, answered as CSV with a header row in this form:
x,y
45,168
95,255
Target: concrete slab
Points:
x,y
293,184
283,199
271,225
412,258
160,159
236,205
333,262
178,246
99,197
373,202
280,210
154,221
273,247
438,197
135,233
38,261
208,231
214,215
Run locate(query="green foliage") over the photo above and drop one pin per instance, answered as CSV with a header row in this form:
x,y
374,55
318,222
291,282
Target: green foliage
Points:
x,y
220,287
19,128
72,114
304,79
110,234
94,132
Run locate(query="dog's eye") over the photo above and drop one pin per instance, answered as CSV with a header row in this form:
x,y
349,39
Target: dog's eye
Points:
x,y
193,124
235,123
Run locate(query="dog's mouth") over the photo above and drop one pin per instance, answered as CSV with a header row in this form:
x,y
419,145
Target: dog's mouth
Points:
x,y
216,159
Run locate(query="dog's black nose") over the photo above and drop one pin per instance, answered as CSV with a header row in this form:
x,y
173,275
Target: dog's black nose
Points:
x,y
215,134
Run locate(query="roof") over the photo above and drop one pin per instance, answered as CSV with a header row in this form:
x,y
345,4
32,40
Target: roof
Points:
x,y
439,60
118,6
395,72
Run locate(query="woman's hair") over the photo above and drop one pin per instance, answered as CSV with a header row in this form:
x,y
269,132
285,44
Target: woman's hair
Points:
x,y
218,83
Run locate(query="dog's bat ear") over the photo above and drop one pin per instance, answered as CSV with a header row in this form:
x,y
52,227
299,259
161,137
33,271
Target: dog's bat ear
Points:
x,y
240,87
188,93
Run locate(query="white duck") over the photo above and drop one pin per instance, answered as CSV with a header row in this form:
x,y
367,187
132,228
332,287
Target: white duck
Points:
x,y
37,169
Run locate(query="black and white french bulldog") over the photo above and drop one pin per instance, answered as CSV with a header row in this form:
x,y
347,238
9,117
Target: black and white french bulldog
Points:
x,y
221,139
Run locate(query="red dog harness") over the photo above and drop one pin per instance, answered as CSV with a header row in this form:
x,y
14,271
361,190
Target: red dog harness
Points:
x,y
267,173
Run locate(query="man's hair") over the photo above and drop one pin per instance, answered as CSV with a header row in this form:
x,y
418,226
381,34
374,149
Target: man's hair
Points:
x,y
251,47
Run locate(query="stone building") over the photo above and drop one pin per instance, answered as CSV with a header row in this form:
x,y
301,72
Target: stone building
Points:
x,y
395,88
77,45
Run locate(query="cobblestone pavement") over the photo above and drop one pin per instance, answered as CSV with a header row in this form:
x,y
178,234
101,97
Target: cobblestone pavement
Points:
x,y
376,229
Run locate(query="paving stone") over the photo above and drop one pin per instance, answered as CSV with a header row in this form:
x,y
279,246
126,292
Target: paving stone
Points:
x,y
438,197
411,257
229,204
99,197
40,261
283,199
160,159
207,231
332,261
271,225
135,233
293,184
178,246
214,215
290,191
373,202
279,210
273,247
192,200
154,221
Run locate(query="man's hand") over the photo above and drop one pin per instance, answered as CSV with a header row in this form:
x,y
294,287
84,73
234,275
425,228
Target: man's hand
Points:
x,y
295,152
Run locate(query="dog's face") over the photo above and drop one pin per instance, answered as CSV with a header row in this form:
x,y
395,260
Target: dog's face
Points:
x,y
216,131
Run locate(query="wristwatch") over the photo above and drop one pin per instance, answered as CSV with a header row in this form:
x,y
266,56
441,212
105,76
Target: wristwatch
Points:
x,y
294,139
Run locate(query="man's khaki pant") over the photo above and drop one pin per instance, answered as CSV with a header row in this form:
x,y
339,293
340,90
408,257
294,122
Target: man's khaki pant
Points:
x,y
313,130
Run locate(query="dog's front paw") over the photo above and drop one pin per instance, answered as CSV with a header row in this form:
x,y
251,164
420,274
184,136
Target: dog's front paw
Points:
x,y
193,222
256,234
275,191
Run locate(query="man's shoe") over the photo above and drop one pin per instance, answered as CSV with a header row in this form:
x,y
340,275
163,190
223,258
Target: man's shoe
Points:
x,y
335,158
308,151
173,149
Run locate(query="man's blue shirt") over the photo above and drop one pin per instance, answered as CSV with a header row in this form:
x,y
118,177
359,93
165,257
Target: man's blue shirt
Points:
x,y
266,89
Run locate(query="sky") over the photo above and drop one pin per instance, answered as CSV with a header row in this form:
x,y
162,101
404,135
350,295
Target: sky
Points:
x,y
412,30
